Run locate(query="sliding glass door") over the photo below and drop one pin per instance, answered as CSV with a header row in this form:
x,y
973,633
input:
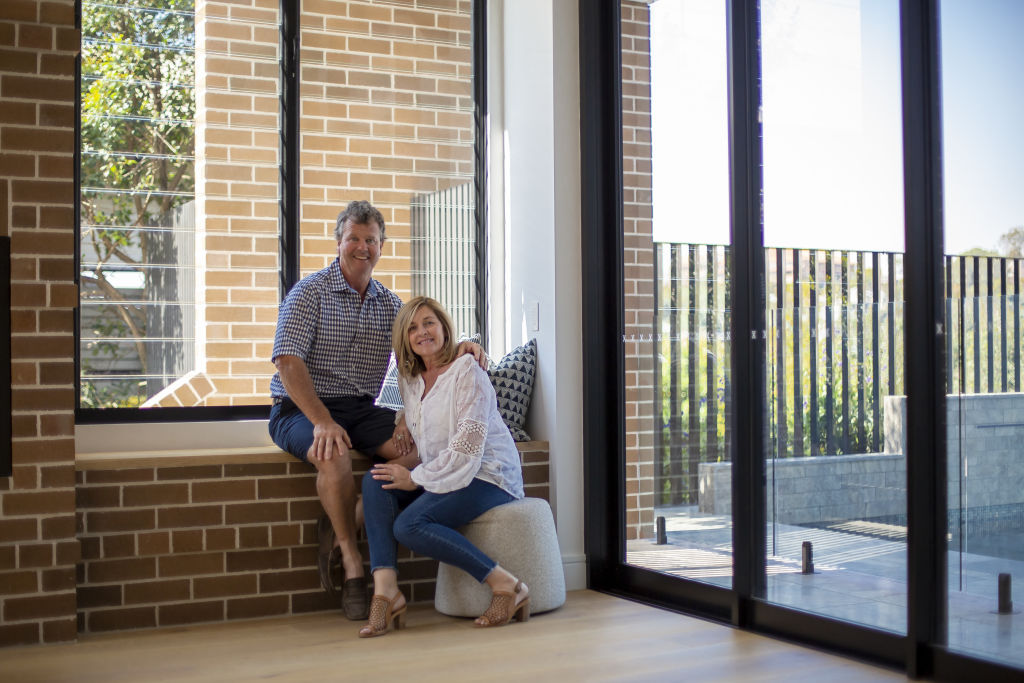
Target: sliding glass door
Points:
x,y
798,389
675,180
984,238
835,465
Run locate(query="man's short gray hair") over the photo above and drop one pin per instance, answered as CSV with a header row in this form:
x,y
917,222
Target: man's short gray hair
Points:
x,y
359,212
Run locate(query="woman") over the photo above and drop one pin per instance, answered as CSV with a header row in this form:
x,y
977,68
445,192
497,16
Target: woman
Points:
x,y
468,464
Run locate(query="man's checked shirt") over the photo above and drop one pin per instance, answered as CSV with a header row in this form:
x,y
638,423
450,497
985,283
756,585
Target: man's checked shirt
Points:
x,y
345,342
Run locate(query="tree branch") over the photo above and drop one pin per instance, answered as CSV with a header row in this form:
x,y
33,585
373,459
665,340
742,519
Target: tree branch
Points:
x,y
125,314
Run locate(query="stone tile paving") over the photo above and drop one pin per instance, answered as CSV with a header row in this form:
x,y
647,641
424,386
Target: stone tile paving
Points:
x,y
860,575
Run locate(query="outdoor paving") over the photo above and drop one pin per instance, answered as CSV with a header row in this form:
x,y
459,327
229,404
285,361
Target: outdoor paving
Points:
x,y
860,575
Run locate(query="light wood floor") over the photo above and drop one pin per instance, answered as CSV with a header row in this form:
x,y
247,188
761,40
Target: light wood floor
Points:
x,y
593,637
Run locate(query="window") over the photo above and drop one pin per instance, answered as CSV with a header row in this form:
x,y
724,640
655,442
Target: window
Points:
x,y
184,251
387,115
138,198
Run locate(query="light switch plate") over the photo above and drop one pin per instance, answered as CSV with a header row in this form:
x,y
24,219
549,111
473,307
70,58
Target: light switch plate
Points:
x,y
533,315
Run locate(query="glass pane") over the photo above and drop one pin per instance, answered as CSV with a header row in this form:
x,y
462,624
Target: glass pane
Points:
x,y
387,116
179,202
833,230
677,270
984,215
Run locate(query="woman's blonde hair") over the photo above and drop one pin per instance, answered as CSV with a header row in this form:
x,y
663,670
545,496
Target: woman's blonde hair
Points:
x,y
410,364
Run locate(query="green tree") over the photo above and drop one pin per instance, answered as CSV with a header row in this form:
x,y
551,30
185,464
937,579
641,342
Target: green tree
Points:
x,y
1011,243
138,111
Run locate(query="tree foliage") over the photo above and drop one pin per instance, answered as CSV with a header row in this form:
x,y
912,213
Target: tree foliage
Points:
x,y
1011,243
137,136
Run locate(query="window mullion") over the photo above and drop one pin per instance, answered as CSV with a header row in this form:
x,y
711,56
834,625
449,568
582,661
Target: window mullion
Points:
x,y
289,118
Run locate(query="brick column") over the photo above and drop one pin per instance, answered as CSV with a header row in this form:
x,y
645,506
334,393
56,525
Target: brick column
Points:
x,y
641,383
38,549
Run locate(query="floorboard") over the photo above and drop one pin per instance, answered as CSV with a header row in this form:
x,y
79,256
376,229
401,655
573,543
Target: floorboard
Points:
x,y
594,637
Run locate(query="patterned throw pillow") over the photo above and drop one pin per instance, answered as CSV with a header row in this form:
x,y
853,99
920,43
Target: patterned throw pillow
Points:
x,y
512,378
390,396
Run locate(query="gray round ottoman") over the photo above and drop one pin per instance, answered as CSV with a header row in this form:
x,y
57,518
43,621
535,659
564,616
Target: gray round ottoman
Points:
x,y
520,536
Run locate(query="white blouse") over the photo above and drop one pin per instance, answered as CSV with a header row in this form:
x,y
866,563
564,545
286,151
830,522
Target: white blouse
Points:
x,y
458,431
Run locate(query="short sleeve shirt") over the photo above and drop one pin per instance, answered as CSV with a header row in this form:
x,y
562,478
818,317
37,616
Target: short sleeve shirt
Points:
x,y
344,341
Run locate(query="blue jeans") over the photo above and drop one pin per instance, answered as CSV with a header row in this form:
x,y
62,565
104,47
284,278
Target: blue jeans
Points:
x,y
426,524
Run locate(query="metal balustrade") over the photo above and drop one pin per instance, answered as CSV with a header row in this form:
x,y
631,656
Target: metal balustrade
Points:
x,y
834,332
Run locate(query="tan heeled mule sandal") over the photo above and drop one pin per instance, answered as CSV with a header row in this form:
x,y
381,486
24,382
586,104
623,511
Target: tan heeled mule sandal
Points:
x,y
503,608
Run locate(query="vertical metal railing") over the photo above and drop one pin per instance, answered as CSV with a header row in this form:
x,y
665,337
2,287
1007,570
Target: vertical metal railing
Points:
x,y
693,364
835,349
983,347
443,251
827,379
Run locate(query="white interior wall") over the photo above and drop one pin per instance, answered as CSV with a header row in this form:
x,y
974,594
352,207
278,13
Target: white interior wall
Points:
x,y
542,222
494,125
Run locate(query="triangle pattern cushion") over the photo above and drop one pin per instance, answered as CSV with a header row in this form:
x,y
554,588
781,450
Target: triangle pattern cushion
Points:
x,y
512,378
390,396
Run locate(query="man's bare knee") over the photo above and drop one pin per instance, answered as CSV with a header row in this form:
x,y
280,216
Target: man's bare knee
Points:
x,y
334,472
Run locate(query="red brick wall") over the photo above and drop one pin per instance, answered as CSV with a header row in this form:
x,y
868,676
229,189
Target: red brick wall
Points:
x,y
177,544
38,550
639,268
164,546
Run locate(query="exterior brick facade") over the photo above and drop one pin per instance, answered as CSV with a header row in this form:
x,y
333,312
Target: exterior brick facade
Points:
x,y
386,115
638,240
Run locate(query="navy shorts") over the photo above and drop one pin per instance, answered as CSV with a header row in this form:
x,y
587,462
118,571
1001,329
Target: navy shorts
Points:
x,y
368,425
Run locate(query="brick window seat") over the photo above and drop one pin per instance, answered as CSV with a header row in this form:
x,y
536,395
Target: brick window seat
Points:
x,y
180,537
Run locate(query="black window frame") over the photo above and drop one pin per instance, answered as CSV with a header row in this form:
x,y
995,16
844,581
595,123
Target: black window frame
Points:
x,y
922,651
290,207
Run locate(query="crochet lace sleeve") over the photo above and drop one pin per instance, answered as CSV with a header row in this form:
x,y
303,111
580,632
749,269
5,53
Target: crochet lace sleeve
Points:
x,y
457,464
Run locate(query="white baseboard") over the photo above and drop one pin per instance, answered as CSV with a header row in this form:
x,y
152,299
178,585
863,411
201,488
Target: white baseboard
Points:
x,y
575,567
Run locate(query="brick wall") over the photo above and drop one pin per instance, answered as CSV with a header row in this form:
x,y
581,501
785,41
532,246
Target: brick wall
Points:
x,y
233,538
38,550
641,382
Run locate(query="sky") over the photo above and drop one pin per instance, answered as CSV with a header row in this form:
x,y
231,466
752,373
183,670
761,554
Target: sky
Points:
x,y
832,122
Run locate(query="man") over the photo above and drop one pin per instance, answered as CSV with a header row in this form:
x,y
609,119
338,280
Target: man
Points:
x,y
331,350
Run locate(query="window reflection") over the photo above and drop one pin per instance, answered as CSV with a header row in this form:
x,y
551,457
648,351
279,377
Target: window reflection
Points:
x,y
675,175
833,230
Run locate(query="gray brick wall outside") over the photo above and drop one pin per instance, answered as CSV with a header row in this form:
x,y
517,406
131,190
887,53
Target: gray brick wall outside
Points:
x,y
985,470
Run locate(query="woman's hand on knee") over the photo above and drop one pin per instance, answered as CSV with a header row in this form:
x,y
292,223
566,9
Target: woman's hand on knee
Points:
x,y
393,476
